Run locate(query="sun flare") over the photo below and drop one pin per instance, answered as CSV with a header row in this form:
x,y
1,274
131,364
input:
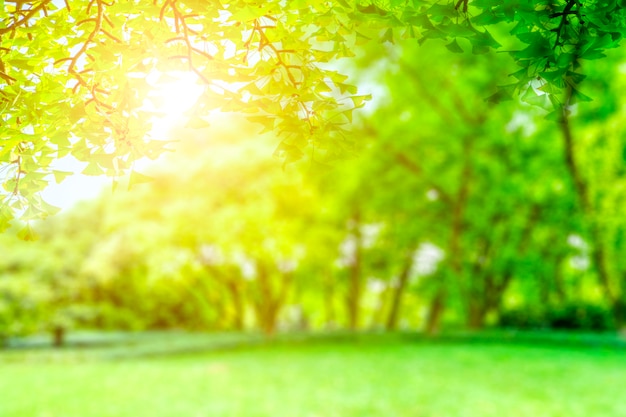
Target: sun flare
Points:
x,y
172,97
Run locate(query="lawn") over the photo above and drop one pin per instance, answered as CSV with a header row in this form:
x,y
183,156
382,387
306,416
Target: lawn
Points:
x,y
371,376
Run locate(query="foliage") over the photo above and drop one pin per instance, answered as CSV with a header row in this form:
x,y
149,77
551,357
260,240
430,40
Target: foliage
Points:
x,y
38,289
570,316
224,239
76,77
512,209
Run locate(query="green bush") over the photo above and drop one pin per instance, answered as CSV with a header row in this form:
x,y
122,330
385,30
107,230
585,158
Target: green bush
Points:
x,y
581,316
111,317
522,318
569,316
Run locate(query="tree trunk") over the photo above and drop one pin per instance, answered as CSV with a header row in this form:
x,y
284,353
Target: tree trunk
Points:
x,y
233,288
236,297
398,293
329,295
58,336
476,312
453,254
559,285
353,298
270,300
598,254
265,301
355,289
435,312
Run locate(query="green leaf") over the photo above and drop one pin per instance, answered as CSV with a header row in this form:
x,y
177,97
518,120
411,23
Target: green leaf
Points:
x,y
482,41
534,50
93,169
59,176
21,64
503,93
49,209
77,112
485,18
576,77
359,101
348,114
593,53
454,47
371,9
27,233
245,14
433,34
419,20
555,116
347,88
521,74
555,78
446,10
480,49
361,39
578,97
138,178
387,36
533,98
268,122
458,30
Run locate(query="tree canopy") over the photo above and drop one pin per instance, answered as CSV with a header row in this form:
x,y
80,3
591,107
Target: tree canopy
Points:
x,y
452,212
76,76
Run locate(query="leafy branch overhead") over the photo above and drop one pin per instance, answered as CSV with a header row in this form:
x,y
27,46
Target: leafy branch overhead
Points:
x,y
74,74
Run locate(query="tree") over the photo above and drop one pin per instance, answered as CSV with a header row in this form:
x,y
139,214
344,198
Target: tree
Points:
x,y
39,288
75,79
505,198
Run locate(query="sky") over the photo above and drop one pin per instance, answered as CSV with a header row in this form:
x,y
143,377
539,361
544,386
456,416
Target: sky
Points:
x,y
74,188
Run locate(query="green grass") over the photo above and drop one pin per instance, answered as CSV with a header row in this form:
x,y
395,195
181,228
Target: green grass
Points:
x,y
369,376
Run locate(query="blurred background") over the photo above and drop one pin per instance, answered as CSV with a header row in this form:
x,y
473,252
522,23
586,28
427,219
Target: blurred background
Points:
x,y
452,263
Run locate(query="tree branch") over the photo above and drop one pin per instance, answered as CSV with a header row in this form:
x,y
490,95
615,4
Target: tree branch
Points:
x,y
25,18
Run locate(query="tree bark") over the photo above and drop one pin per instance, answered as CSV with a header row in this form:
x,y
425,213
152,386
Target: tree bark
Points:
x,y
435,312
233,288
270,300
598,251
476,316
453,253
398,293
236,297
58,336
495,287
355,280
329,297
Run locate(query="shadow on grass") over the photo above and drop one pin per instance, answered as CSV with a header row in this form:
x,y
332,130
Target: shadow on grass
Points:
x,y
135,345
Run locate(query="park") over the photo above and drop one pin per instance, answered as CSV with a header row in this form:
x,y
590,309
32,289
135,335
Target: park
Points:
x,y
312,208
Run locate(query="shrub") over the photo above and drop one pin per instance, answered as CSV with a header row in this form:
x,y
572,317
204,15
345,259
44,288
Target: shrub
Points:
x,y
580,316
574,315
522,318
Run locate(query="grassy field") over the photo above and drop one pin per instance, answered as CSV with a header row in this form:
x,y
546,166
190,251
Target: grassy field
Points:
x,y
369,376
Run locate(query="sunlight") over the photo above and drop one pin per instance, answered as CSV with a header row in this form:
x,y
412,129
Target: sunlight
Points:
x,y
173,95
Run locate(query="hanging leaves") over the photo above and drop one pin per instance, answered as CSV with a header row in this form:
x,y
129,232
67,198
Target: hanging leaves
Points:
x,y
73,74
454,47
138,178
